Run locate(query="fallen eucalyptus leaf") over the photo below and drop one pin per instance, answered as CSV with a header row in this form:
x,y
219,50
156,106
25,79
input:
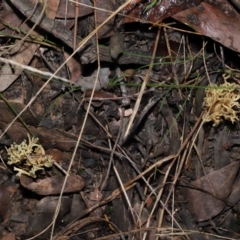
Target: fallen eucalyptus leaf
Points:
x,y
53,185
212,190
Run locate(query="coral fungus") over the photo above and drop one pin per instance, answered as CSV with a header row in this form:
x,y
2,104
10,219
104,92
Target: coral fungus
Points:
x,y
221,102
28,158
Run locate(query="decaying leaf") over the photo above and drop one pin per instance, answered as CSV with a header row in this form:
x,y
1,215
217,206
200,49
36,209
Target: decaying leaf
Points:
x,y
51,8
213,189
8,73
48,137
74,68
9,236
161,10
210,20
53,185
43,214
103,7
71,12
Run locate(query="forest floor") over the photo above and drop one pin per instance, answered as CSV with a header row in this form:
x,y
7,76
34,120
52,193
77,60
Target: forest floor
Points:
x,y
119,120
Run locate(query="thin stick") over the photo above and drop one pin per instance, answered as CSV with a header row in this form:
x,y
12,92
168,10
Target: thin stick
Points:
x,y
34,70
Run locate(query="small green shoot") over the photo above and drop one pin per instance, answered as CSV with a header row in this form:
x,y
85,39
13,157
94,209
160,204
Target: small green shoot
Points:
x,y
150,5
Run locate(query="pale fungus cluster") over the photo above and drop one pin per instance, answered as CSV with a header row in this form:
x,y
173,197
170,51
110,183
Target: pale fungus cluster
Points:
x,y
28,158
221,102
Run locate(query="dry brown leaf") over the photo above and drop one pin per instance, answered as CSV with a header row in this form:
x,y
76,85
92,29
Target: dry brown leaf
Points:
x,y
74,67
43,213
216,187
5,200
8,16
101,16
219,22
51,8
235,194
53,185
71,12
48,137
8,236
157,13
8,115
23,56
56,154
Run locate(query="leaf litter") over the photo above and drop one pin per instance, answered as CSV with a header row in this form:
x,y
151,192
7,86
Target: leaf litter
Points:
x,y
171,172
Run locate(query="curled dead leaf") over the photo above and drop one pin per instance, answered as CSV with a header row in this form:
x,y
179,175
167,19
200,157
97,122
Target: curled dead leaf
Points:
x,y
53,185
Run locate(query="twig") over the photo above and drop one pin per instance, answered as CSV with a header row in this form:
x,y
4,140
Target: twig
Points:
x,y
31,69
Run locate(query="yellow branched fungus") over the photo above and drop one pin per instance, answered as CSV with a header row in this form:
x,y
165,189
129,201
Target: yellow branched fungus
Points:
x,y
28,158
221,102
